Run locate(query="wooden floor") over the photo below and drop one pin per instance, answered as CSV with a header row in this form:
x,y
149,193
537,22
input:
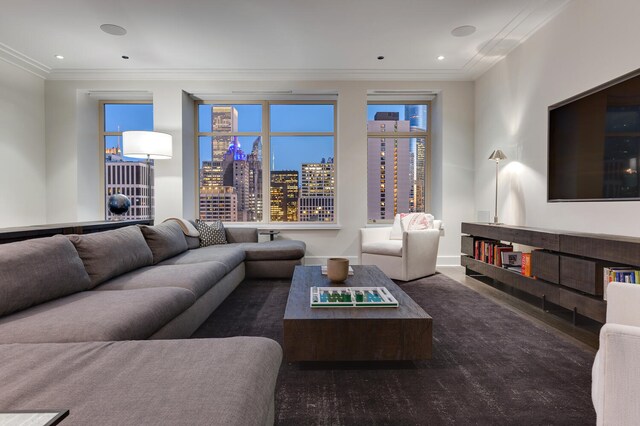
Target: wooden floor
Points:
x,y
585,331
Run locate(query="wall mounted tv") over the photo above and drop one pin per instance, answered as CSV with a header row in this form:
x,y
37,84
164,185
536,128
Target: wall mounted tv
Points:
x,y
594,144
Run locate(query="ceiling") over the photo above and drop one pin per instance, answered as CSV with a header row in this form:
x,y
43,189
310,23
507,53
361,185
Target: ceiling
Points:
x,y
238,39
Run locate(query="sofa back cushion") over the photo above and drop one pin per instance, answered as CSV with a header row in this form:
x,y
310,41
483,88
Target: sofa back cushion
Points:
x,y
111,253
165,240
39,270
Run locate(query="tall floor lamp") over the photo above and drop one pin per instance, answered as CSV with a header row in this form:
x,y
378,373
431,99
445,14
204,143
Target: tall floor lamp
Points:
x,y
150,146
497,155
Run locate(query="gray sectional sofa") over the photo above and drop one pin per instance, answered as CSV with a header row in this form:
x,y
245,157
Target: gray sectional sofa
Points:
x,y
76,312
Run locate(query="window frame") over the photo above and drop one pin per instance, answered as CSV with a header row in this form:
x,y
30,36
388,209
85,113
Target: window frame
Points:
x,y
426,135
265,134
102,134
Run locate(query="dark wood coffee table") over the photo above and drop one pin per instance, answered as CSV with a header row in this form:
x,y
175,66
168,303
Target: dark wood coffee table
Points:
x,y
353,334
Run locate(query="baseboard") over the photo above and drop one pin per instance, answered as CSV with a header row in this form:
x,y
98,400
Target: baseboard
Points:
x,y
448,261
322,260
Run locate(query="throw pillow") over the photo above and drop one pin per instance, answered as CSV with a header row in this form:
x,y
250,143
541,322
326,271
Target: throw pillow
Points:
x,y
416,221
396,229
211,234
165,240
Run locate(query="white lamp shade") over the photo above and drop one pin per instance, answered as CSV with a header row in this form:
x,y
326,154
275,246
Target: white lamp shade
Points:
x,y
143,144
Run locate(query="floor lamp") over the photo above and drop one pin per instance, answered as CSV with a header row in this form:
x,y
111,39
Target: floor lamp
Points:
x,y
150,146
497,155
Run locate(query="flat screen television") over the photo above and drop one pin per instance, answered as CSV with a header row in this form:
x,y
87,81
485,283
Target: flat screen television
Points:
x,y
594,144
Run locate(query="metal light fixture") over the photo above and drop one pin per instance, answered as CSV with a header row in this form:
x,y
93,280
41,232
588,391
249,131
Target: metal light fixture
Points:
x,y
150,146
497,155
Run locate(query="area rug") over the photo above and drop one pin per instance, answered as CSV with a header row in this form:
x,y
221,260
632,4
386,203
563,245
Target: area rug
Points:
x,y
490,366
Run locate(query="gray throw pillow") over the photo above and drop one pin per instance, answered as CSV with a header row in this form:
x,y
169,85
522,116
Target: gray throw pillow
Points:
x,y
211,234
39,270
111,253
165,240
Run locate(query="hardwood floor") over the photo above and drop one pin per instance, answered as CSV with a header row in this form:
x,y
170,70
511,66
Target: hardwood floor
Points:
x,y
585,331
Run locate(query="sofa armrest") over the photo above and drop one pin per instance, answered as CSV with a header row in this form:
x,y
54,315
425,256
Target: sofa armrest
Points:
x,y
371,235
616,375
241,235
623,301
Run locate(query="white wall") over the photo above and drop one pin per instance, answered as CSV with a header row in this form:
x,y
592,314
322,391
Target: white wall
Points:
x,y
22,148
587,44
74,159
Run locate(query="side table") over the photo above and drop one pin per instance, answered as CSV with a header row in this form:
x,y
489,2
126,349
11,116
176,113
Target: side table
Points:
x,y
271,233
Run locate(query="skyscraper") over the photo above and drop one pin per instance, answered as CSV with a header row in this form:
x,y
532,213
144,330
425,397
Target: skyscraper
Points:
x,y
417,116
128,178
317,192
388,174
284,193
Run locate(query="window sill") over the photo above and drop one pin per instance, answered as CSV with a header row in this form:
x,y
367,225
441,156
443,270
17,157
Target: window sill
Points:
x,y
285,227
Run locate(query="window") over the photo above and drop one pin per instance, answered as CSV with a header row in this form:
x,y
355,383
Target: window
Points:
x,y
398,159
124,175
297,140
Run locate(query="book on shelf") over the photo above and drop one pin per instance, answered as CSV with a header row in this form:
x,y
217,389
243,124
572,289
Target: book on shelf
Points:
x,y
621,274
512,259
489,251
526,264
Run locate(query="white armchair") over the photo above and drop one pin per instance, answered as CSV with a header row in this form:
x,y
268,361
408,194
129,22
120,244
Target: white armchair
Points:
x,y
412,257
616,369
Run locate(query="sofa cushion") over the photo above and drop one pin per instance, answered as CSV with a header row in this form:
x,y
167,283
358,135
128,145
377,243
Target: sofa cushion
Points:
x,y
111,253
211,234
275,250
241,235
230,255
39,270
385,247
165,240
97,315
160,382
197,278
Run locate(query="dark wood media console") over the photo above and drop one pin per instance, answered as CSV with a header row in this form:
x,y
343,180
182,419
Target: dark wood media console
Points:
x,y
568,266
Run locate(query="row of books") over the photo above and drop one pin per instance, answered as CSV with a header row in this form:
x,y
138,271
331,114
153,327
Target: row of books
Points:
x,y
502,255
490,251
621,274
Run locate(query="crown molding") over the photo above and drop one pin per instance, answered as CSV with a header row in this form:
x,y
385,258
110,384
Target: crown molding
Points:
x,y
24,62
257,74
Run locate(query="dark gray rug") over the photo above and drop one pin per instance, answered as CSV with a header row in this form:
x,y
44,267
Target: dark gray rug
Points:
x,y
490,366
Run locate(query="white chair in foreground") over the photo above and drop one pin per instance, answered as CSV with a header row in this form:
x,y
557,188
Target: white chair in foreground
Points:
x,y
400,254
616,369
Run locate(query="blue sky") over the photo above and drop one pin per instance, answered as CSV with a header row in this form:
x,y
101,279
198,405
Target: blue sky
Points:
x,y
289,152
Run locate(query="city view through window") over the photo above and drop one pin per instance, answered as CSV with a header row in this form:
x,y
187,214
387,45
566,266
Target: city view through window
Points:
x,y
300,160
398,155
295,143
125,175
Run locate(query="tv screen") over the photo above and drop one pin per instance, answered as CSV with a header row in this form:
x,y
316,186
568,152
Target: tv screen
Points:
x,y
594,144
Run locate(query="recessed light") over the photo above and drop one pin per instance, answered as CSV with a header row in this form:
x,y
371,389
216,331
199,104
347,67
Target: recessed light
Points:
x,y
440,58
112,29
463,31
58,56
125,57
380,58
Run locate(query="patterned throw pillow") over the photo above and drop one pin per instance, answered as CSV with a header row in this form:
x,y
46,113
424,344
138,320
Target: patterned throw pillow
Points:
x,y
211,234
416,221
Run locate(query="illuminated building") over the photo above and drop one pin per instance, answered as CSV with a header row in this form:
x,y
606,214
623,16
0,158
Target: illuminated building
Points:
x,y
284,193
317,192
389,178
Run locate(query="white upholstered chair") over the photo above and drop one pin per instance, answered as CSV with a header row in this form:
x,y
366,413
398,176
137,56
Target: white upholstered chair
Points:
x,y
412,256
616,369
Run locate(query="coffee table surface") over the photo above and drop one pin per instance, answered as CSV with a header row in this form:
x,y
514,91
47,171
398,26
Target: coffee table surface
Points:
x,y
305,277
353,333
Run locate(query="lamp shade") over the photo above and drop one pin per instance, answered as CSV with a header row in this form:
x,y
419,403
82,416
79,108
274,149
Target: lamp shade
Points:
x,y
144,144
497,155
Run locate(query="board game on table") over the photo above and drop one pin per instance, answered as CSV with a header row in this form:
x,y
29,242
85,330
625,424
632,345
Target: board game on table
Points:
x,y
357,333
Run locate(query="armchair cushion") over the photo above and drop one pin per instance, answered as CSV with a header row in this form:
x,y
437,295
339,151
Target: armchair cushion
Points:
x,y
386,248
396,229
